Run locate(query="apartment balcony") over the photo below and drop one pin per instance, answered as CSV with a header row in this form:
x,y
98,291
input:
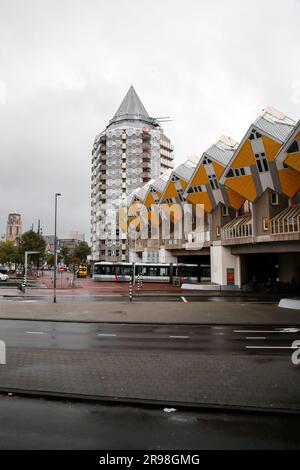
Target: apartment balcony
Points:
x,y
137,245
140,244
170,164
196,241
146,147
286,225
238,230
174,244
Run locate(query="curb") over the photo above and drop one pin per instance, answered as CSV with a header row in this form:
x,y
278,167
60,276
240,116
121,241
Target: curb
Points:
x,y
146,402
160,323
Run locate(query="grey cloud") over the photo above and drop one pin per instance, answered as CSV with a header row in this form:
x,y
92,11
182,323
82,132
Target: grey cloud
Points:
x,y
211,65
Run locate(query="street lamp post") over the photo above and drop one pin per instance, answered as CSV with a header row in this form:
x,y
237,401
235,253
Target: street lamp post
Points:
x,y
55,248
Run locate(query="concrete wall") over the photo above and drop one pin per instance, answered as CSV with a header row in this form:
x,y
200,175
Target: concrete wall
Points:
x,y
217,219
166,256
221,260
150,256
134,257
262,208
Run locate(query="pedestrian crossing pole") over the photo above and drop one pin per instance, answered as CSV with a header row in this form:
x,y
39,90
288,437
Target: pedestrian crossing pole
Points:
x,y
130,288
138,283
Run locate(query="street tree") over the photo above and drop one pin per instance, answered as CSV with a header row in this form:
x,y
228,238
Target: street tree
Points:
x,y
31,241
65,255
81,251
8,252
50,259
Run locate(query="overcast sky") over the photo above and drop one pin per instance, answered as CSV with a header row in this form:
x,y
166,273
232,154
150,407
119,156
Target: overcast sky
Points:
x,y
65,66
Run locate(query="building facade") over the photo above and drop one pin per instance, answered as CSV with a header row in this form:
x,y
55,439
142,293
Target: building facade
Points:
x,y
131,151
13,227
250,197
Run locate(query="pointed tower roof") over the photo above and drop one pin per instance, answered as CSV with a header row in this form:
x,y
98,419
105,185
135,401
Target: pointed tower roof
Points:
x,y
132,108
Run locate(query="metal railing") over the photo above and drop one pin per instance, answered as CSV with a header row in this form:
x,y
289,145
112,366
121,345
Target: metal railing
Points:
x,y
240,227
286,222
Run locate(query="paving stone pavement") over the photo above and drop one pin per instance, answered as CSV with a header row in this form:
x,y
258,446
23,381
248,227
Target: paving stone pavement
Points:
x,y
270,382
144,312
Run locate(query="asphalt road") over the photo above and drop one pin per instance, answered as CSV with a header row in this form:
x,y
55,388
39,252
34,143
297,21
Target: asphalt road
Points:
x,y
29,423
149,297
214,339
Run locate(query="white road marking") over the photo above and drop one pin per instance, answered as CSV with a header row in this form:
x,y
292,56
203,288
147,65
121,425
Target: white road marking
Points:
x,y
271,347
179,337
106,334
290,330
184,299
282,330
256,337
35,332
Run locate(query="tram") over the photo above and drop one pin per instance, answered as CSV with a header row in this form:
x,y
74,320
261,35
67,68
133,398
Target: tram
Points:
x,y
150,272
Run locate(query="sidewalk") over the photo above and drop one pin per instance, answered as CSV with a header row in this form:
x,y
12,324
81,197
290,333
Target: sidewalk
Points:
x,y
149,312
169,378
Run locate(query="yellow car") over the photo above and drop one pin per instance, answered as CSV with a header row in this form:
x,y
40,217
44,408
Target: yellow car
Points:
x,y
82,272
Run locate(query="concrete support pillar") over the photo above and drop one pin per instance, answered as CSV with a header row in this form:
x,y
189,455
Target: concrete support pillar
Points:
x,y
225,265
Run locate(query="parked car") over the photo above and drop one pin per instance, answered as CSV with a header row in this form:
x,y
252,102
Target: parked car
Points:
x,y
82,271
3,277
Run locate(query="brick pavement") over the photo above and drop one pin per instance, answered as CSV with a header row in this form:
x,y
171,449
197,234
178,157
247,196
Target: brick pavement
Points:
x,y
270,382
147,312
89,287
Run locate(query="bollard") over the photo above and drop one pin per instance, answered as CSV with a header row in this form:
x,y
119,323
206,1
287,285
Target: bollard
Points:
x,y
130,289
2,352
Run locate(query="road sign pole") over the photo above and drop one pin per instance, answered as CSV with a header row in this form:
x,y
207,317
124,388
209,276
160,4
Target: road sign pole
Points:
x,y
130,288
55,247
26,261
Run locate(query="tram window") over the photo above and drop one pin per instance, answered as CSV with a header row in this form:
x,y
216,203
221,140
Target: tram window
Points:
x,y
153,271
187,271
164,271
144,271
205,272
97,270
101,269
126,270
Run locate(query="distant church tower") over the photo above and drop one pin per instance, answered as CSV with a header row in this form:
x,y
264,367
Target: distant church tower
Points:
x,y
13,227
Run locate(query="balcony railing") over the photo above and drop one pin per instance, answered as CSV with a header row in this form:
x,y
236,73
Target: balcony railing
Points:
x,y
240,227
173,243
197,240
287,222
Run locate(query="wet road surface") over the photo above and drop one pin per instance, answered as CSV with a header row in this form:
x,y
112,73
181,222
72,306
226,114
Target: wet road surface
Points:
x,y
29,423
207,339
